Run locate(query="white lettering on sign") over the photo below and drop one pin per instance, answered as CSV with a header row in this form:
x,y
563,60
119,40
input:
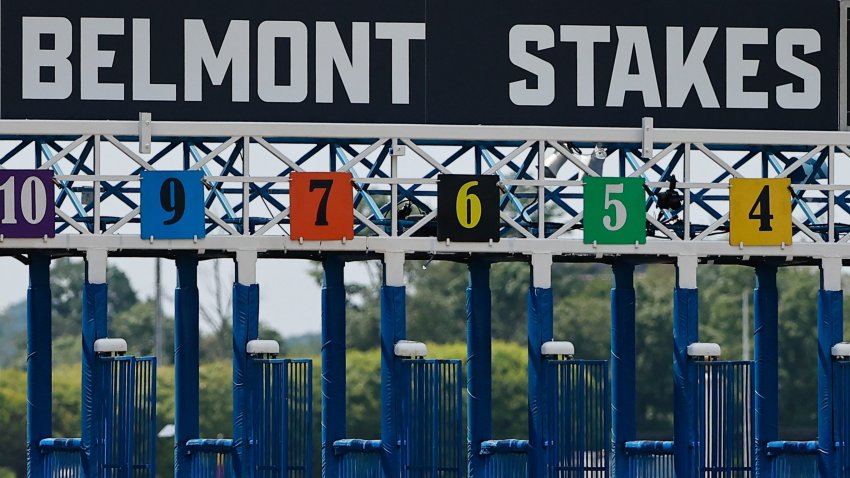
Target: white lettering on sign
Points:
x,y
633,67
544,93
634,41
331,55
786,39
585,36
232,55
34,58
93,59
143,89
48,68
267,36
684,73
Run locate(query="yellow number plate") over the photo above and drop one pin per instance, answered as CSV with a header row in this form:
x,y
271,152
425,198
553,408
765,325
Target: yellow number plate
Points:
x,y
760,212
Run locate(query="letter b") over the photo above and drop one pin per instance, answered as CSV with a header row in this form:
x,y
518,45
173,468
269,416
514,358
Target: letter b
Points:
x,y
34,58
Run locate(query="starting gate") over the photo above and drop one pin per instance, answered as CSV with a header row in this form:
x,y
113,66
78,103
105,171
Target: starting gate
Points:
x,y
433,420
283,445
577,416
724,404
129,417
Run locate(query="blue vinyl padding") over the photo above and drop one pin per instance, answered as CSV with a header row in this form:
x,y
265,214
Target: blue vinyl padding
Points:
x,y
479,367
540,330
39,362
347,445
490,447
765,366
186,362
649,447
685,332
218,445
61,444
791,447
830,332
246,312
623,372
333,363
392,330
94,327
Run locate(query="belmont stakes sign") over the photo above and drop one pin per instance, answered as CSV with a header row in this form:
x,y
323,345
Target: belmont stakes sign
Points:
x,y
719,64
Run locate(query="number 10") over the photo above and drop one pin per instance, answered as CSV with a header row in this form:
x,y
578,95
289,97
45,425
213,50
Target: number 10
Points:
x,y
33,201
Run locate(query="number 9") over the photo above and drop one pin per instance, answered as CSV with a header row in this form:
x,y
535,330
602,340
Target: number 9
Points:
x,y
172,198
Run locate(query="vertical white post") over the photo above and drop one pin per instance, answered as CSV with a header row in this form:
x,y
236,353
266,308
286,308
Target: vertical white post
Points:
x,y
246,186
96,266
541,270
394,269
246,267
96,185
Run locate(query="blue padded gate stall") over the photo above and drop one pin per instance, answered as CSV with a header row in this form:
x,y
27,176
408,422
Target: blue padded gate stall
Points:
x,y
129,417
577,432
724,403
841,420
283,424
432,420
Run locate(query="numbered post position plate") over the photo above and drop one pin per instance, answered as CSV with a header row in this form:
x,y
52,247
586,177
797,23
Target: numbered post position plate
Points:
x,y
322,207
172,204
760,212
614,210
468,208
26,203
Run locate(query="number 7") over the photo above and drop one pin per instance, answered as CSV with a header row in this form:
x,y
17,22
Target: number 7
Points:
x,y
322,212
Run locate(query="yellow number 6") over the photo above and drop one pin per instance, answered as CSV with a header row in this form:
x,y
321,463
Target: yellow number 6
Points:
x,y
468,206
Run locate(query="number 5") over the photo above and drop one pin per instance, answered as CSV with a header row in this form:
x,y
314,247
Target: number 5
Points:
x,y
619,216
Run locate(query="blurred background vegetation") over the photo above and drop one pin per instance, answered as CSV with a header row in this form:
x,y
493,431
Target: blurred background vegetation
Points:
x,y
436,314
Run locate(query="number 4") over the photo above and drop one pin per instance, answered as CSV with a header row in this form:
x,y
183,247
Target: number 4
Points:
x,y
617,220
763,204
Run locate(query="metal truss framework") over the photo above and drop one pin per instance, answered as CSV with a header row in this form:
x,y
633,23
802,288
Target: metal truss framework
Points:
x,y
97,170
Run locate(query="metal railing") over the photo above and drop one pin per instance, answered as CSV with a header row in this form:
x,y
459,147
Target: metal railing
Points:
x,y
129,447
724,404
650,459
283,427
505,458
211,458
432,411
359,458
793,459
577,418
62,457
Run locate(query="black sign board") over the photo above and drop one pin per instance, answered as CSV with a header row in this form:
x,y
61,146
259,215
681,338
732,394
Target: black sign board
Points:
x,y
686,63
468,208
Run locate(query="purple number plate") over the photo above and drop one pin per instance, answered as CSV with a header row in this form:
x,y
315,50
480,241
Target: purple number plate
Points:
x,y
26,203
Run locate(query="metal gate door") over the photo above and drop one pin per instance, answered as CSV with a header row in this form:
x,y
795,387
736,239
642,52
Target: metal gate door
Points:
x,y
283,423
841,405
577,416
129,417
432,426
724,404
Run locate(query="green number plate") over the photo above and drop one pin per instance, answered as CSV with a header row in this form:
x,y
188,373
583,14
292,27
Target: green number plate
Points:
x,y
614,210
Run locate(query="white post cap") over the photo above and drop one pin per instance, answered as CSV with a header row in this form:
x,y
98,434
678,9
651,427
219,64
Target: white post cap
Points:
x,y
841,350
110,346
263,347
704,349
558,348
409,348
